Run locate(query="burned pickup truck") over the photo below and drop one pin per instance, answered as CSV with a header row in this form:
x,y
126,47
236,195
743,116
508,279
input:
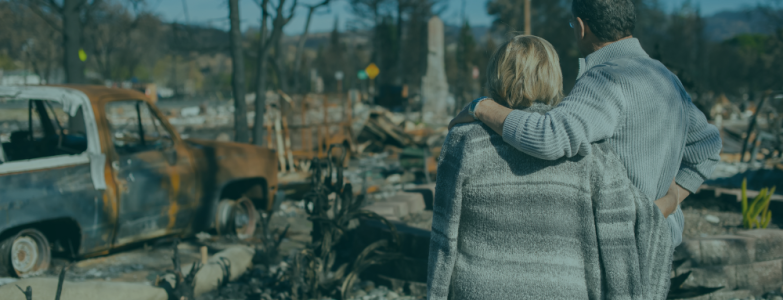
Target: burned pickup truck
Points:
x,y
88,169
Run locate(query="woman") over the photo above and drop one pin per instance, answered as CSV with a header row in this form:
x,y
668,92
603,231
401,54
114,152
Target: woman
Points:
x,y
507,225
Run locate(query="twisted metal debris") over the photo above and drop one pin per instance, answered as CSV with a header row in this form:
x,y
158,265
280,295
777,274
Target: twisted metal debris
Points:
x,y
314,274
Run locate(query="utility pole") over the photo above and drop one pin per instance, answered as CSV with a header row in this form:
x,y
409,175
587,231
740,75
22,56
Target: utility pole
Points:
x,y
527,17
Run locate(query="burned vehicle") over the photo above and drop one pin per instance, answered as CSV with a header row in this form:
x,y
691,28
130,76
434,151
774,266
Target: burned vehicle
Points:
x,y
87,169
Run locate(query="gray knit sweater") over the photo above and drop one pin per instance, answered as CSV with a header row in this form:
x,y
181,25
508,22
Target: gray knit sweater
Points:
x,y
632,100
507,225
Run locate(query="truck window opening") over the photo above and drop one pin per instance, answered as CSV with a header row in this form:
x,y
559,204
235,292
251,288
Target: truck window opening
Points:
x,y
135,128
43,131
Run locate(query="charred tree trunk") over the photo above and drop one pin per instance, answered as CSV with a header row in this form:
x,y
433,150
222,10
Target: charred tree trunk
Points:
x,y
238,76
258,127
280,67
300,49
72,40
278,63
302,41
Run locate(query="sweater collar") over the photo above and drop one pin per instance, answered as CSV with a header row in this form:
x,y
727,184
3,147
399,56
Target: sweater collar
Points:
x,y
621,49
538,107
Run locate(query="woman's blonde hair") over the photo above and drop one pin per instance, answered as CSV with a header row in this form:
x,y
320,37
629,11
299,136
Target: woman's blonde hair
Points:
x,y
524,70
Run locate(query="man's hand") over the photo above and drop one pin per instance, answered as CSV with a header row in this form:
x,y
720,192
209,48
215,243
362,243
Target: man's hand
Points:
x,y
488,112
679,192
668,204
462,117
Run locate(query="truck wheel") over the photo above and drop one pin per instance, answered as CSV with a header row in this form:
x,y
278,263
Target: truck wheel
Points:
x,y
237,218
25,254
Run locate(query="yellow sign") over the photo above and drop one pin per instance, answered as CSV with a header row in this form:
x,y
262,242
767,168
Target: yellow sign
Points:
x,y
372,71
82,55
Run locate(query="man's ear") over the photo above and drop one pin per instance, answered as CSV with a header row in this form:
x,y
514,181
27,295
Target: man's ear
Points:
x,y
582,28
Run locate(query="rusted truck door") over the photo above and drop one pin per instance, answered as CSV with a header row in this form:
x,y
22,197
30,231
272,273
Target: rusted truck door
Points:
x,y
153,177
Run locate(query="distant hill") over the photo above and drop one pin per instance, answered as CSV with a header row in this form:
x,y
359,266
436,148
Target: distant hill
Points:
x,y
315,40
318,39
728,24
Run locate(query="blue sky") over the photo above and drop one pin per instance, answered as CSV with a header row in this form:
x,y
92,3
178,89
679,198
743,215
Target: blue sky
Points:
x,y
215,12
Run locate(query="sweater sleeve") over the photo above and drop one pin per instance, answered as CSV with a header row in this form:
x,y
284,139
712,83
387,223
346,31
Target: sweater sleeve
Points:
x,y
589,114
452,175
702,153
702,150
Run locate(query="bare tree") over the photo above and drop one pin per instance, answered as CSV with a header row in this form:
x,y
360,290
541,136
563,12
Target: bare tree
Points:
x,y
303,39
143,43
115,37
42,43
372,11
67,18
238,76
42,54
263,48
280,21
107,38
265,43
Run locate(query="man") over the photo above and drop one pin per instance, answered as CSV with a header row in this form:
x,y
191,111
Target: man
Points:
x,y
624,96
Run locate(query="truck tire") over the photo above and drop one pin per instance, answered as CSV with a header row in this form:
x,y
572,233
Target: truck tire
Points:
x,y
25,254
236,218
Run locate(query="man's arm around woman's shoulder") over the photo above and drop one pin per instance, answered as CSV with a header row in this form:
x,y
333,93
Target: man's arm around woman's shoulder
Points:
x,y
589,114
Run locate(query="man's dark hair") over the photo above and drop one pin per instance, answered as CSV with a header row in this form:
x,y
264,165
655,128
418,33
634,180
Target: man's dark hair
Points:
x,y
610,20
